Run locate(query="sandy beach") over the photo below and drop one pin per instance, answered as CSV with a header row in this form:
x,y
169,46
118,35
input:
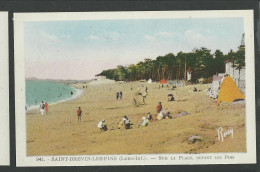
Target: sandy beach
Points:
x,y
59,132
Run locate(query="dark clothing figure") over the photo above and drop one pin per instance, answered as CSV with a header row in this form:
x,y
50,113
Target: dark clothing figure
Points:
x,y
71,93
117,95
149,116
195,89
121,94
146,89
170,97
79,112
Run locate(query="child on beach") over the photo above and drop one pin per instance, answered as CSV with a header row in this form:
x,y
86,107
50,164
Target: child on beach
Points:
x,y
46,107
150,118
79,111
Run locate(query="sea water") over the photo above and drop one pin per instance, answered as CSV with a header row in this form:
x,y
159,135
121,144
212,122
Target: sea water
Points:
x,y
51,92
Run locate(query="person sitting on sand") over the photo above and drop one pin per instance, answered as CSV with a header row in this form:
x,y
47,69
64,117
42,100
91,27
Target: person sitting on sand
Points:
x,y
170,97
150,118
160,116
42,106
79,112
125,122
168,115
144,122
195,89
46,107
124,118
102,126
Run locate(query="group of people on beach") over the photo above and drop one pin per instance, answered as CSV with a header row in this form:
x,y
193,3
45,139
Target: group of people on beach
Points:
x,y
43,108
119,95
126,123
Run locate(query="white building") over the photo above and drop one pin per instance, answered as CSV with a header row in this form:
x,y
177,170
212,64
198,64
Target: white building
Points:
x,y
188,74
238,76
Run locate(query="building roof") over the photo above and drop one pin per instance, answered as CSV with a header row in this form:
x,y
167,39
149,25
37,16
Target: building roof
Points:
x,y
229,60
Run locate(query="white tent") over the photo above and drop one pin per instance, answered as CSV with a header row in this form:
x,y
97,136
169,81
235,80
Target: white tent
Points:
x,y
149,81
214,87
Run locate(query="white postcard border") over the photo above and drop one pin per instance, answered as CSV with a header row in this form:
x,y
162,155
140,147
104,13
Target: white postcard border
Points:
x,y
140,159
4,91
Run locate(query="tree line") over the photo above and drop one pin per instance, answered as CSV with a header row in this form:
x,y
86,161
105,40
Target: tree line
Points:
x,y
200,62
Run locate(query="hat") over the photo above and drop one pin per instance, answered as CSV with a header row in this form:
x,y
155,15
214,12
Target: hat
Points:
x,y
103,120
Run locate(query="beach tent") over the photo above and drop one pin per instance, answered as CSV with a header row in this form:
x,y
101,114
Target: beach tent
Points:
x,y
228,91
149,81
163,81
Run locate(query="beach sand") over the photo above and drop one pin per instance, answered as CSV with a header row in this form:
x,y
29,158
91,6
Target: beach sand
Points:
x,y
59,132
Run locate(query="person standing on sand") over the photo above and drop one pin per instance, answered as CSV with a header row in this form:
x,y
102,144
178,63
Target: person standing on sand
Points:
x,y
79,111
121,95
42,106
117,95
159,107
46,107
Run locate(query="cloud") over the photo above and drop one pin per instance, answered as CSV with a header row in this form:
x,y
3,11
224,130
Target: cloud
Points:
x,y
93,37
159,35
164,34
193,36
149,37
112,36
48,38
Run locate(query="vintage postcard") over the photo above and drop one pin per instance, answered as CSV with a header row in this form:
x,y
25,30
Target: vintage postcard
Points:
x,y
4,91
135,88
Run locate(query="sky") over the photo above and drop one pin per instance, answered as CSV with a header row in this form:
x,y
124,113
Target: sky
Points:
x,y
81,49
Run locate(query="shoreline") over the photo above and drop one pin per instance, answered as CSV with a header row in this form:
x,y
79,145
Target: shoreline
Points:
x,y
79,92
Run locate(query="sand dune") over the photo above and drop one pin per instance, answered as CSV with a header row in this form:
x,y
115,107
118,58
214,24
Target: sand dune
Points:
x,y
59,133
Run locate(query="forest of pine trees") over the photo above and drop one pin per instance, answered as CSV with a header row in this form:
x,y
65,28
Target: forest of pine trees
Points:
x,y
201,62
